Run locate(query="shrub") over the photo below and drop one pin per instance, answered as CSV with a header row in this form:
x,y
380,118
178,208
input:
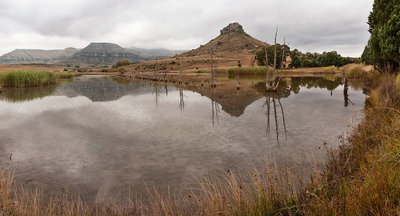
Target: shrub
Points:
x,y
355,72
121,63
121,71
330,69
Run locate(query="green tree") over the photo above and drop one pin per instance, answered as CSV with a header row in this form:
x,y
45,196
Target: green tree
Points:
x,y
365,57
295,56
384,26
270,50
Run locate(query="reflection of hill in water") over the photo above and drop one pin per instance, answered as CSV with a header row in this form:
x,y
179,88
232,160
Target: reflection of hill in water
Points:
x,y
101,88
235,102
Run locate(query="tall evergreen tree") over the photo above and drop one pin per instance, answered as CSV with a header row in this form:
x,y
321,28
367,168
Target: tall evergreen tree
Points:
x,y
384,44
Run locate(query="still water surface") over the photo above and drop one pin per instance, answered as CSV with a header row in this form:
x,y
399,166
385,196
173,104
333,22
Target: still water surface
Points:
x,y
99,135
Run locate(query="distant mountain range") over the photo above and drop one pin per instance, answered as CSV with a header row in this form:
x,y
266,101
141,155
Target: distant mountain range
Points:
x,y
26,56
94,54
233,45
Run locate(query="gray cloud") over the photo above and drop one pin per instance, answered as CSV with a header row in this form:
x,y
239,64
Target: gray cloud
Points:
x,y
309,25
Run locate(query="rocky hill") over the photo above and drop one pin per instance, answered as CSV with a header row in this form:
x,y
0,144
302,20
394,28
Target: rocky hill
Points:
x,y
231,47
102,54
29,56
232,39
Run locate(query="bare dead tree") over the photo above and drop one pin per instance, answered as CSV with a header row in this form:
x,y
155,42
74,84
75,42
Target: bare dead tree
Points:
x,y
276,35
283,53
274,83
267,81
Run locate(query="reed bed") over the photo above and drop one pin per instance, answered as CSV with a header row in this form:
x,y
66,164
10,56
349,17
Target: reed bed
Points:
x,y
65,75
260,70
27,78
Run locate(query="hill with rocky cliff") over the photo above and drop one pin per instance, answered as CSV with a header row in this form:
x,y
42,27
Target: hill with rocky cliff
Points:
x,y
102,54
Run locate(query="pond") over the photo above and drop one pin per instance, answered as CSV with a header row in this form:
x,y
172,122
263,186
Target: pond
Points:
x,y
99,135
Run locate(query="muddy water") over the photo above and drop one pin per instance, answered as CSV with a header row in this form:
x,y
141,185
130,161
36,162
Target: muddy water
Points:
x,y
99,135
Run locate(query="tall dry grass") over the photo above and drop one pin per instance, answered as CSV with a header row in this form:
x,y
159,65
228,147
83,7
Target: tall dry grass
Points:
x,y
26,78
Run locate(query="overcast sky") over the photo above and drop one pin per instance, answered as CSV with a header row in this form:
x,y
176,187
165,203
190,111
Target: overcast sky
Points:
x,y
308,25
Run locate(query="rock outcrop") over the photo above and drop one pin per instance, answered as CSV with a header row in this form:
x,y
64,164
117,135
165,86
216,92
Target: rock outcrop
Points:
x,y
232,28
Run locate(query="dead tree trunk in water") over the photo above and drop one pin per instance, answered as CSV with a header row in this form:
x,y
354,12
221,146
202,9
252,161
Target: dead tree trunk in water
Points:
x,y
180,71
274,83
276,35
212,68
237,81
267,86
283,53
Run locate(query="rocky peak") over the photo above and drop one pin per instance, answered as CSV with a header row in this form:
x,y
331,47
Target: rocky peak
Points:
x,y
233,27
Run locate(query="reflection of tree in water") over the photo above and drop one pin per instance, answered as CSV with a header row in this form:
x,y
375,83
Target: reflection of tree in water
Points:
x,y
346,94
156,91
293,84
314,82
215,110
274,101
26,94
181,100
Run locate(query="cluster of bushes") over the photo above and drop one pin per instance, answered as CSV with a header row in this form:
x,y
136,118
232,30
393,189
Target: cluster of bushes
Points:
x,y
325,59
121,63
300,60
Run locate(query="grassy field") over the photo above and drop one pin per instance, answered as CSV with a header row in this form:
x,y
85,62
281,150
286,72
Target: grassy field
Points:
x,y
260,70
361,177
27,78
